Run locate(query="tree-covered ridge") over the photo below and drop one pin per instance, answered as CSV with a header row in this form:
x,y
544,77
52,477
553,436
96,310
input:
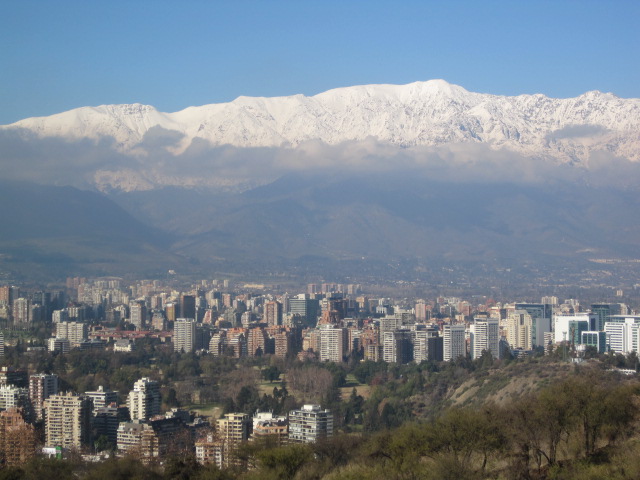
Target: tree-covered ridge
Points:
x,y
582,426
536,417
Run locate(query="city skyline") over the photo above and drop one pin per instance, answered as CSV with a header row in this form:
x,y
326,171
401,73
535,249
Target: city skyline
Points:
x,y
307,240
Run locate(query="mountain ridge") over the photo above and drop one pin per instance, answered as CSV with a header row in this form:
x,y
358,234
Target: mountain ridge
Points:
x,y
430,113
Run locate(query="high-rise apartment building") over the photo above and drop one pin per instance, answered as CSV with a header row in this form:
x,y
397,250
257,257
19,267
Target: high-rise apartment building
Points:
x,y
75,332
309,424
210,450
102,398
144,400
333,343
171,311
426,345
485,336
68,420
7,294
158,321
20,311
549,300
541,314
151,440
421,312
397,346
265,424
41,387
130,437
284,343
453,342
59,345
14,376
257,342
520,330
105,423
138,314
184,335
16,397
17,438
307,308
188,306
273,313
233,428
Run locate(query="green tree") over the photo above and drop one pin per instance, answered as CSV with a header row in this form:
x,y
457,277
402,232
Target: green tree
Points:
x,y
282,462
271,373
121,468
557,410
181,468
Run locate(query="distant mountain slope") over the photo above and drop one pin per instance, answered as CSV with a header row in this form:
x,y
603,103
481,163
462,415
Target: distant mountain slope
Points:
x,y
422,113
425,172
380,217
63,229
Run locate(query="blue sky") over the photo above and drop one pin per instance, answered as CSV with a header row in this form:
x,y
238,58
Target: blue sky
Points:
x,y
58,55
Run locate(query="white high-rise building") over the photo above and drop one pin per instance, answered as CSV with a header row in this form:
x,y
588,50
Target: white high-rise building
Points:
x,y
12,396
184,335
453,344
420,340
59,316
623,337
333,343
485,335
309,424
75,332
102,398
58,345
624,318
563,326
144,399
397,346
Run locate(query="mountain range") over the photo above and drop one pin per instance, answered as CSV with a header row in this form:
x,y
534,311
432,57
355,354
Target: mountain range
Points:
x,y
425,172
422,113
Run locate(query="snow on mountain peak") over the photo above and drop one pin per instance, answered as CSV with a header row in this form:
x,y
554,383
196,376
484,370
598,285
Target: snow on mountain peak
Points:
x,y
433,112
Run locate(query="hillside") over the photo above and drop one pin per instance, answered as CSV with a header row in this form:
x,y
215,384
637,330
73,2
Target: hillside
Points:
x,y
420,175
65,231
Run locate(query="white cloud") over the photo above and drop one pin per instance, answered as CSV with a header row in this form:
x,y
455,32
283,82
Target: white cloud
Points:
x,y
23,156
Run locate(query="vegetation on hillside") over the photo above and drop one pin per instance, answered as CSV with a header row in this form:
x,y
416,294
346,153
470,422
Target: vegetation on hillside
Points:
x,y
533,418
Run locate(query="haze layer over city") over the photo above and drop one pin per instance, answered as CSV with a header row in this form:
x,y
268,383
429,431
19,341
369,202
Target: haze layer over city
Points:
x,y
298,240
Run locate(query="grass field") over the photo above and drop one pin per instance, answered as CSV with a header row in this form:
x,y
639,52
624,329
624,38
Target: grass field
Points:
x,y
212,410
267,387
362,389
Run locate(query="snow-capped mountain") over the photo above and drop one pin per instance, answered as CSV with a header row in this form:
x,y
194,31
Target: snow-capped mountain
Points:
x,y
426,171
428,113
